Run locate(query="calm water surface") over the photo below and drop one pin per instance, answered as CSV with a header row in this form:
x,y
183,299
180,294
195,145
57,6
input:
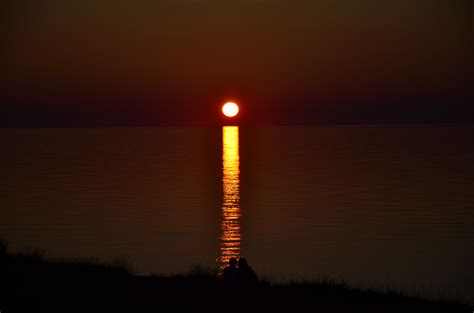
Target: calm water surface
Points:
x,y
369,204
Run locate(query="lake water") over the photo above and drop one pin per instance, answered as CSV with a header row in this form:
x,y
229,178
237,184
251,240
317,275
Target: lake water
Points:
x,y
373,205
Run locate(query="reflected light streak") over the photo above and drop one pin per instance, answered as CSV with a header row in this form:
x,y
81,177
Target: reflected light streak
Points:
x,y
230,225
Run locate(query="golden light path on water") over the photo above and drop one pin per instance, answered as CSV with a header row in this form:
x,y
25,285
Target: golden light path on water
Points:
x,y
230,225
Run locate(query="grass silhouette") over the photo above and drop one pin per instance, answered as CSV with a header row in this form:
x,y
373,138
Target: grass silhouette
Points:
x,y
32,283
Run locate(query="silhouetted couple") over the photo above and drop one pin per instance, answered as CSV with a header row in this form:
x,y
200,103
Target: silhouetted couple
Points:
x,y
242,276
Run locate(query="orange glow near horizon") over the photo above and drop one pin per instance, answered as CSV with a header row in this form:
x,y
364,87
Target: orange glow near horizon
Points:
x,y
230,109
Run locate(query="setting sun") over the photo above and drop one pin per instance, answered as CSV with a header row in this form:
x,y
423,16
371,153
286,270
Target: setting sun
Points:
x,y
230,109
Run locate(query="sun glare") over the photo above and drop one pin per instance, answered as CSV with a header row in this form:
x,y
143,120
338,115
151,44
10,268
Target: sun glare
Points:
x,y
230,109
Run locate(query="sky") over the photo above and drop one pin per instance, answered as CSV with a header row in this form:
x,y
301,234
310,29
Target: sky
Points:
x,y
84,63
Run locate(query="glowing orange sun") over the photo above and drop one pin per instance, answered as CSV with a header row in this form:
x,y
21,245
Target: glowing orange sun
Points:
x,y
230,109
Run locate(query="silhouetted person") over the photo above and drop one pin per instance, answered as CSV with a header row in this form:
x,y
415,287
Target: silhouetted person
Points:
x,y
246,277
230,274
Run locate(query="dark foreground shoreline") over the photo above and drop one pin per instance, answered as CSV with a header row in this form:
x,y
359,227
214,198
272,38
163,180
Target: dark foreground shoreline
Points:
x,y
31,283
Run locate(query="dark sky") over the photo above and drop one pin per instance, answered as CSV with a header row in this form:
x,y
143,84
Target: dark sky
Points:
x,y
123,63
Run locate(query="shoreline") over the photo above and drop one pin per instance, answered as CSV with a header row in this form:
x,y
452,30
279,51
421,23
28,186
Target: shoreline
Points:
x,y
32,283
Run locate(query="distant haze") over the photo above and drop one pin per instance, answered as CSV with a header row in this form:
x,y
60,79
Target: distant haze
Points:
x,y
123,63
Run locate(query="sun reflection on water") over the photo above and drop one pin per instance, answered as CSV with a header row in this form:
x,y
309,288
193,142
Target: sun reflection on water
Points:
x,y
230,225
